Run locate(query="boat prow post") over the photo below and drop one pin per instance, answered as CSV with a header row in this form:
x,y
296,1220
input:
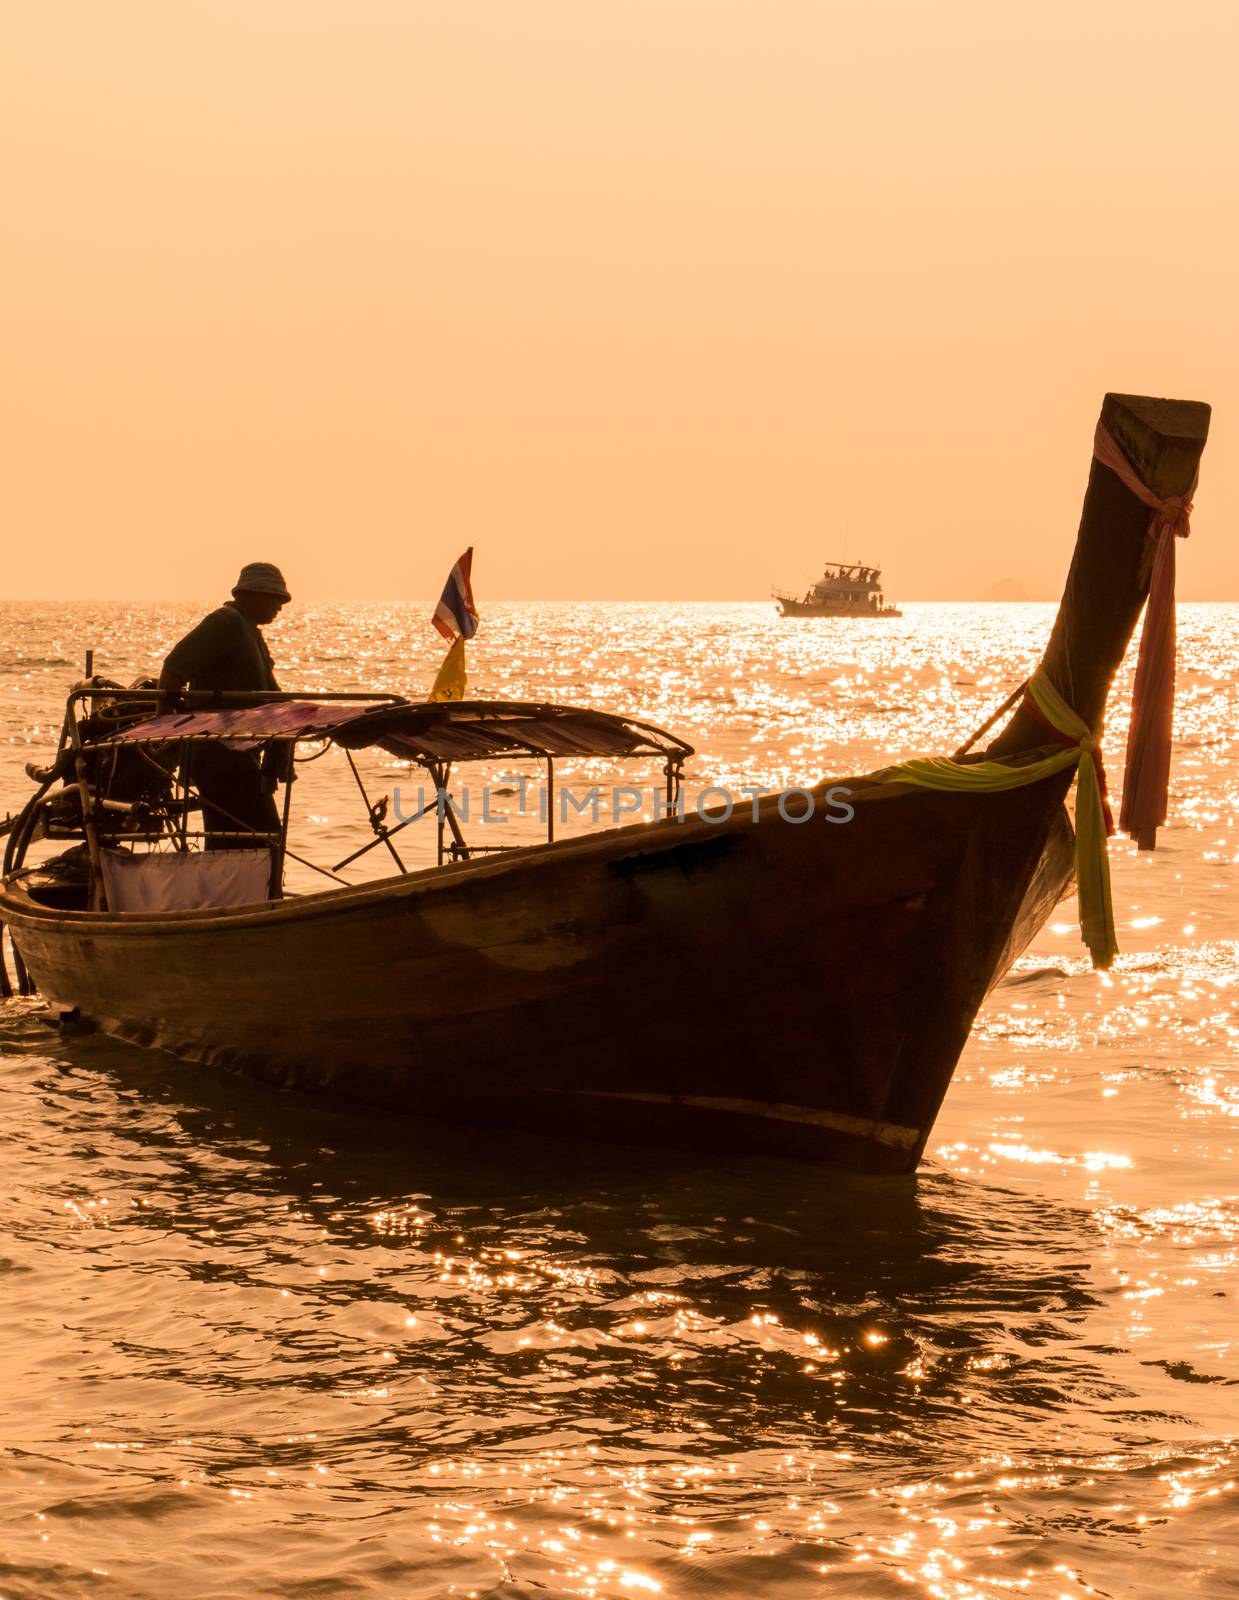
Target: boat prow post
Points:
x,y
1108,581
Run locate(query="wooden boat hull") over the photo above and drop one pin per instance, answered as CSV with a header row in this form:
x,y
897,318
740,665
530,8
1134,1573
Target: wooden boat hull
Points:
x,y
770,986
806,608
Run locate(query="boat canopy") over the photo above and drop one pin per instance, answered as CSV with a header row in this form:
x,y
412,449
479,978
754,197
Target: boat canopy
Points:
x,y
427,732
126,782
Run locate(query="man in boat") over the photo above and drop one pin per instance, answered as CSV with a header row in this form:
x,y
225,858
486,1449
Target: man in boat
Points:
x,y
227,651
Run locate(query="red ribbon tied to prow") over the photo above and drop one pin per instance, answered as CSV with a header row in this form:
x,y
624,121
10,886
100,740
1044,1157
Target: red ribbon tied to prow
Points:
x,y
1146,775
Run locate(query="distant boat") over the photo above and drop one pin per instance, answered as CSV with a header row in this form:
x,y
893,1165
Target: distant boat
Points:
x,y
843,590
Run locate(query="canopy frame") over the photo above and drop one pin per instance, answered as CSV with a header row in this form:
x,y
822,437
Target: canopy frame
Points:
x,y
434,736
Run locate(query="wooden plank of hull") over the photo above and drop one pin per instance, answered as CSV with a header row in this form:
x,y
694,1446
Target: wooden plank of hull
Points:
x,y
772,987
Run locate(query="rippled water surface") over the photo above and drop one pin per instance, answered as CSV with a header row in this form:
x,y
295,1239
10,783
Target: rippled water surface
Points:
x,y
253,1344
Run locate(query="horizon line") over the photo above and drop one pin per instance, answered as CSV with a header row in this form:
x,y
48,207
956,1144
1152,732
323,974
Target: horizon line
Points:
x,y
580,600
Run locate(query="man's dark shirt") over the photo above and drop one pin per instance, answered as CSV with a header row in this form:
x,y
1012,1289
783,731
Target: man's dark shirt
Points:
x,y
225,651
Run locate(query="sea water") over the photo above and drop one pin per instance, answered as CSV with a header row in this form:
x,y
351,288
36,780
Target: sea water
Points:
x,y
255,1344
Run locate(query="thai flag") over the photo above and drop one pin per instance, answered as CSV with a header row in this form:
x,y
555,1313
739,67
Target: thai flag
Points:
x,y
455,612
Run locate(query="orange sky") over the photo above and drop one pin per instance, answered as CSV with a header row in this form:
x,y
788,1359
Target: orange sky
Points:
x,y
653,299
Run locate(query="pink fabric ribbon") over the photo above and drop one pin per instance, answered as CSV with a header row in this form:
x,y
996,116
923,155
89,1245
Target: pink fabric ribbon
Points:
x,y
1146,775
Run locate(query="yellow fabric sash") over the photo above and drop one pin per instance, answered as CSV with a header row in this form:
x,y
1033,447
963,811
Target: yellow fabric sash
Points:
x,y
1092,860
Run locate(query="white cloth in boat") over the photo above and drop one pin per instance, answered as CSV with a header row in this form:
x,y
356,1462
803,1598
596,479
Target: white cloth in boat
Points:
x,y
185,882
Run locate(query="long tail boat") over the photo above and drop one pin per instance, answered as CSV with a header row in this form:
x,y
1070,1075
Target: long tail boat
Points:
x,y
722,982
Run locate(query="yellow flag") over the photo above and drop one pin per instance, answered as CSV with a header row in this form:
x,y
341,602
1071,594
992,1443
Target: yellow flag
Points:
x,y
450,684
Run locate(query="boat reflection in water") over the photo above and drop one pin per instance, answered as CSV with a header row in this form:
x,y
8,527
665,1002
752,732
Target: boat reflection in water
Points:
x,y
393,1354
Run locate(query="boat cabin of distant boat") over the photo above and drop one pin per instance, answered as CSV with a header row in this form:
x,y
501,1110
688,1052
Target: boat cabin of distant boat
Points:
x,y
841,591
